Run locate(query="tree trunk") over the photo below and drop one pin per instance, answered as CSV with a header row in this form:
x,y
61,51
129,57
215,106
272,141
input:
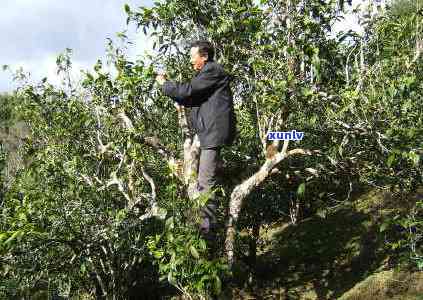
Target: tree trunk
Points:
x,y
252,255
242,190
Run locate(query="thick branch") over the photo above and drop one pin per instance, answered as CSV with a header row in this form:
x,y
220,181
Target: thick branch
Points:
x,y
97,274
242,190
154,143
126,121
153,188
191,161
183,121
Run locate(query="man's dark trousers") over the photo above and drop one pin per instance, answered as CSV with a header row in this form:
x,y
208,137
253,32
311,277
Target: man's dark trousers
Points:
x,y
209,159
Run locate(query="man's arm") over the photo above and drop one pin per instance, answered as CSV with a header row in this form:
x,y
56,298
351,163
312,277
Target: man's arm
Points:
x,y
193,92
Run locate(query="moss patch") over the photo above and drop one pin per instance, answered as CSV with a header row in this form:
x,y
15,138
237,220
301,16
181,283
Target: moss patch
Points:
x,y
388,285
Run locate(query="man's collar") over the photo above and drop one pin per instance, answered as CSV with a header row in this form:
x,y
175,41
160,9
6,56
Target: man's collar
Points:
x,y
204,67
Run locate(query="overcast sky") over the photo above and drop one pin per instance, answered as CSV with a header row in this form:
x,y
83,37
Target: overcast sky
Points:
x,y
35,31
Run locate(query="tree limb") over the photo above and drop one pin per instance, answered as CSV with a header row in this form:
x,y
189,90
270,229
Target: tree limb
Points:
x,y
241,191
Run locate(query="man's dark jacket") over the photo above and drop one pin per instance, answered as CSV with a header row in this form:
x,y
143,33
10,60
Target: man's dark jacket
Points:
x,y
210,98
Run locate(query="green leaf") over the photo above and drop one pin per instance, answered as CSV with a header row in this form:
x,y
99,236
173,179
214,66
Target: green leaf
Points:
x,y
98,66
121,215
127,9
158,254
170,237
414,157
383,227
83,268
301,189
391,159
217,285
203,245
12,237
3,236
194,252
306,91
121,35
169,224
170,278
161,213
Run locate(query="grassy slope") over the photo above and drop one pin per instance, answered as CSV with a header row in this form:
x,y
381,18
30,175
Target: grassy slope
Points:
x,y
340,256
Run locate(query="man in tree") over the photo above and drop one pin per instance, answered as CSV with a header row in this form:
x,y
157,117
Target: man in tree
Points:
x,y
209,96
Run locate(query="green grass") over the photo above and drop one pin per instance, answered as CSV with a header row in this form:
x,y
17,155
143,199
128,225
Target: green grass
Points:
x,y
330,258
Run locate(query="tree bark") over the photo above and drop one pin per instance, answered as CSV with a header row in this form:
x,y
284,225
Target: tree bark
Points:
x,y
242,190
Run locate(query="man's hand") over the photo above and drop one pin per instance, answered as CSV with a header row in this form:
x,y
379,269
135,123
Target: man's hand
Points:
x,y
161,79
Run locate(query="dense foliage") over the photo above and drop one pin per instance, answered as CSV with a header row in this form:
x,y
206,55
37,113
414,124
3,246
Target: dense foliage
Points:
x,y
98,208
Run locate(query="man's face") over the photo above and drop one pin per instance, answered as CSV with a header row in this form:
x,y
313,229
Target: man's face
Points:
x,y
197,60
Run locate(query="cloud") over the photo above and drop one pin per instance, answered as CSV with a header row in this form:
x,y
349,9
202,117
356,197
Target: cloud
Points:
x,y
351,19
36,31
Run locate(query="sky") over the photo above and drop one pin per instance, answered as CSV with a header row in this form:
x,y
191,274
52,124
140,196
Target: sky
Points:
x,y
35,31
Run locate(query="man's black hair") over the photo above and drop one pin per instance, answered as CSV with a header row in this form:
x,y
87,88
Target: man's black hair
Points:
x,y
204,48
